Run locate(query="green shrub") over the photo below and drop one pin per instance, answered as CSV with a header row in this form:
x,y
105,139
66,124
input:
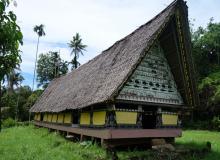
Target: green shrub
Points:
x,y
213,124
25,123
8,123
216,123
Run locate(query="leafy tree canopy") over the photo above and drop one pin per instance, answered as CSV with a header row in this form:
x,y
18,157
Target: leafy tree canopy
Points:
x,y
18,103
206,54
206,49
10,38
50,66
210,86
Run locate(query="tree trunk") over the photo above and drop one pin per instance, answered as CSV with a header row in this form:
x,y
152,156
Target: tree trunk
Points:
x,y
75,61
35,63
10,83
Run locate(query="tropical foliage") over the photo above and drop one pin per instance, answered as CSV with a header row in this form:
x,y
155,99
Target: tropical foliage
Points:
x,y
17,104
10,39
206,49
206,54
50,66
40,32
14,78
77,48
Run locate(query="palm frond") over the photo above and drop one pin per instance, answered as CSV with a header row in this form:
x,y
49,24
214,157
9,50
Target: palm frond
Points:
x,y
39,29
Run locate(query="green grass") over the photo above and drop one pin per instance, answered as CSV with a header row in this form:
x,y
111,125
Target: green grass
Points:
x,y
198,139
29,143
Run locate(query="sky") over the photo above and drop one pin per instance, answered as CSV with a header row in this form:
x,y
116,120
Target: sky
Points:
x,y
99,22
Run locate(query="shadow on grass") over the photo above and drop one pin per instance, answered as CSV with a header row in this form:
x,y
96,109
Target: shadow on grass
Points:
x,y
190,145
183,151
197,151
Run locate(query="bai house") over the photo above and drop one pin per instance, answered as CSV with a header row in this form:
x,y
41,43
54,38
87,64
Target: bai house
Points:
x,y
136,89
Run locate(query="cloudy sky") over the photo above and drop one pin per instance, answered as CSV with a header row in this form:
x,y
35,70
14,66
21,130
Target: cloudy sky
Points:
x,y
99,22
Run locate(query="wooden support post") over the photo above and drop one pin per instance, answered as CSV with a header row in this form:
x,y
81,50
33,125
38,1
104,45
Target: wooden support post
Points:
x,y
159,118
113,107
103,143
82,138
140,109
139,117
91,116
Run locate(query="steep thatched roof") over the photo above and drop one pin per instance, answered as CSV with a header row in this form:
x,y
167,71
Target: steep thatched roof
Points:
x,y
100,79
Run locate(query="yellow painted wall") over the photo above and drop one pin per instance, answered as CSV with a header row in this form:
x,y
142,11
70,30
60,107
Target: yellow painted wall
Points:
x,y
49,117
169,119
35,116
38,117
126,117
45,117
60,118
85,118
68,118
54,118
99,118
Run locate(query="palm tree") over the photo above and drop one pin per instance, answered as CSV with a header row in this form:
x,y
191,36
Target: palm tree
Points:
x,y
14,79
40,32
77,48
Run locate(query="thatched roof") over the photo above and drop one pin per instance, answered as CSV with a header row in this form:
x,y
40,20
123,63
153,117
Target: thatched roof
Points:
x,y
100,79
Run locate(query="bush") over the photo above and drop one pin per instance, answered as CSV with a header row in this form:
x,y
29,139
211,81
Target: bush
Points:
x,y
216,123
25,123
8,123
209,124
198,125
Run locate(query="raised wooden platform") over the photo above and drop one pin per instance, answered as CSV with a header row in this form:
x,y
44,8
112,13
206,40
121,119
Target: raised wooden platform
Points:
x,y
114,133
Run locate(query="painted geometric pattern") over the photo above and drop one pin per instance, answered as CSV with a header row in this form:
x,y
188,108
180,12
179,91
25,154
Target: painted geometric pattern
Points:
x,y
152,81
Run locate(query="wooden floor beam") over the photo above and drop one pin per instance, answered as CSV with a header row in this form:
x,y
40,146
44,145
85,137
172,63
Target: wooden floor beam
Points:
x,y
109,133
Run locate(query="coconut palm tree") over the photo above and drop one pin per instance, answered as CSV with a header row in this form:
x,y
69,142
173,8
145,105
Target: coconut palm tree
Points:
x,y
77,49
14,79
40,32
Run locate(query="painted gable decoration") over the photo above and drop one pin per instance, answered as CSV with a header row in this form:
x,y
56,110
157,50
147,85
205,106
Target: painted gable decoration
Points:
x,y
152,81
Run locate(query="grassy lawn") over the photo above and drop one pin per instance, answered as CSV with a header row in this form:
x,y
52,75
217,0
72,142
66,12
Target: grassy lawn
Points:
x,y
29,143
198,139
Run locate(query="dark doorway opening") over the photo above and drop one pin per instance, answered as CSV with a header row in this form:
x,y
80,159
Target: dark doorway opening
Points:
x,y
75,117
41,116
149,120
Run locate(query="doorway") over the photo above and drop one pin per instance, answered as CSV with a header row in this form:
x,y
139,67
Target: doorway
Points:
x,y
75,119
149,120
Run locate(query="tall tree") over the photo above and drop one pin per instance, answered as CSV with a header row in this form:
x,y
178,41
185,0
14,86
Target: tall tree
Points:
x,y
10,38
77,49
50,66
40,32
206,55
17,104
206,49
14,79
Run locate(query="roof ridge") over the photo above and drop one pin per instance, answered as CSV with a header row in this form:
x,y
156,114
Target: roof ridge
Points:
x,y
148,46
103,52
99,79
171,4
